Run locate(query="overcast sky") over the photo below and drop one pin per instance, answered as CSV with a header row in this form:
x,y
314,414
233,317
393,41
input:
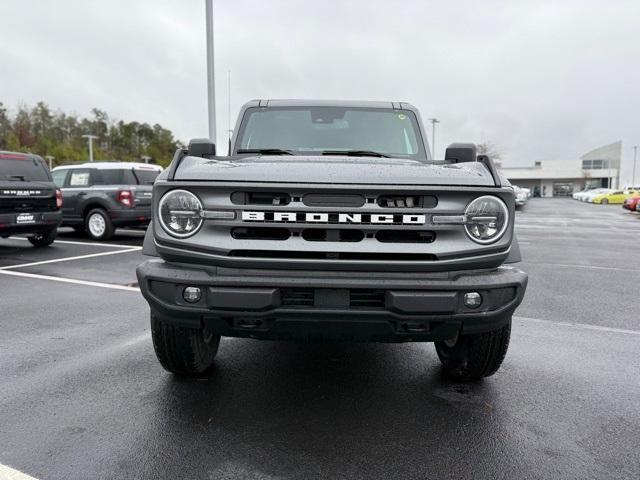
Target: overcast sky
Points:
x,y
541,79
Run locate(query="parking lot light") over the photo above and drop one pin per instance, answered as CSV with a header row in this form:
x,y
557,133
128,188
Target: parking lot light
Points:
x,y
472,299
192,294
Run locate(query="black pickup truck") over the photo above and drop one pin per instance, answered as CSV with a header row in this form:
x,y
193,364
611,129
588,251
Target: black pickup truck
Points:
x,y
30,202
331,221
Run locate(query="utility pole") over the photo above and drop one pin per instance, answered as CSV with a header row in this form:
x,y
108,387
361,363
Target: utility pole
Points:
x,y
90,138
50,158
229,129
433,136
211,86
635,157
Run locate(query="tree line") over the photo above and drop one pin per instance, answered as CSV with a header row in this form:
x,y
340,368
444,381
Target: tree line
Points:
x,y
45,132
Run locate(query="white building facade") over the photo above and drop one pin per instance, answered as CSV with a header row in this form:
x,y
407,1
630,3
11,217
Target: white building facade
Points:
x,y
555,178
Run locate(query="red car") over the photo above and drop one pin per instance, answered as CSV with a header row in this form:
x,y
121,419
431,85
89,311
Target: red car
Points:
x,y
631,203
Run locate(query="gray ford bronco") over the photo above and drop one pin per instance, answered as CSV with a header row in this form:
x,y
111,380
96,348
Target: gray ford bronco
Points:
x,y
331,221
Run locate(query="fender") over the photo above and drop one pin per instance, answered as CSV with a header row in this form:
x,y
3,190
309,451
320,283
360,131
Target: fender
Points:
x,y
149,245
514,253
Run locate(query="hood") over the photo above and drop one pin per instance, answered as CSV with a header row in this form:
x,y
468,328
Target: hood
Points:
x,y
332,170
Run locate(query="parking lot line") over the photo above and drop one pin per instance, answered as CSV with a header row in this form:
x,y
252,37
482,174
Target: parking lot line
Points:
x,y
577,265
91,244
87,283
7,473
66,259
585,326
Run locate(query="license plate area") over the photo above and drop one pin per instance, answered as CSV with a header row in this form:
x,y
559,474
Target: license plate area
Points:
x,y
25,218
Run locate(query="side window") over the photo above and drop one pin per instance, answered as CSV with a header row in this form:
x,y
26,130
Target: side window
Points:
x,y
129,177
59,177
79,178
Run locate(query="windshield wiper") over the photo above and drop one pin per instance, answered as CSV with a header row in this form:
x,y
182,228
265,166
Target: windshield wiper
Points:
x,y
355,153
266,151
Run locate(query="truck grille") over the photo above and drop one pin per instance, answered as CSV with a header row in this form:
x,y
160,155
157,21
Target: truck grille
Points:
x,y
358,298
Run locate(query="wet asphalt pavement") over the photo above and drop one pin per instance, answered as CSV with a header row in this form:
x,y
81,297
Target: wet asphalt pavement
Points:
x,y
82,396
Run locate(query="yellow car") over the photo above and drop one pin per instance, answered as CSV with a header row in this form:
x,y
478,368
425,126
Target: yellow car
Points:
x,y
617,196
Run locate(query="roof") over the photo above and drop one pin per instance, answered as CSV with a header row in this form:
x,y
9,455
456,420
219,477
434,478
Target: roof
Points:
x,y
329,103
111,166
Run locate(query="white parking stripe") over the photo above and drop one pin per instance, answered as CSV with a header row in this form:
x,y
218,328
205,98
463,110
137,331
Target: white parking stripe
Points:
x,y
585,326
87,283
66,259
7,473
576,265
91,244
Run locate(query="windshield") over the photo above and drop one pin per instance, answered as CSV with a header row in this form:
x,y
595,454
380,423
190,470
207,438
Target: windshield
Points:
x,y
330,130
22,169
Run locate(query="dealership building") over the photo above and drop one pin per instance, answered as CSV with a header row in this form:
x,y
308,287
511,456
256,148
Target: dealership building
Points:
x,y
556,178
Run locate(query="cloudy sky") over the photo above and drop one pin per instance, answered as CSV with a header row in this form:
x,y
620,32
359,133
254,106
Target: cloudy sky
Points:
x,y
541,79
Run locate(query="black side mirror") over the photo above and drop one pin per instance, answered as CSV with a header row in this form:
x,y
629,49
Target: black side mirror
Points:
x,y
461,152
201,147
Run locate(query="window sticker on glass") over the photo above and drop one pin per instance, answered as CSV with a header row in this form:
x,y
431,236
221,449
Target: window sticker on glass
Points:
x,y
79,179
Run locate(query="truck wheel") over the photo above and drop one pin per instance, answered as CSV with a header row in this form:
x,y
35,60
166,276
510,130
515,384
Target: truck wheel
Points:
x,y
98,225
44,239
472,357
183,351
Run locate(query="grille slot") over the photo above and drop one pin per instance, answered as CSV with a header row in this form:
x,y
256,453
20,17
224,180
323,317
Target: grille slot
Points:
x,y
260,198
332,235
260,233
337,200
293,254
407,201
366,298
297,297
405,236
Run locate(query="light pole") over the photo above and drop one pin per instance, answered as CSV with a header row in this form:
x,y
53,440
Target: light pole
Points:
x,y
145,158
433,136
90,138
635,157
211,85
50,158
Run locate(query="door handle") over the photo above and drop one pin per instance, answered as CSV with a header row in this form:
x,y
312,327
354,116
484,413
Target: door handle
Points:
x,y
82,194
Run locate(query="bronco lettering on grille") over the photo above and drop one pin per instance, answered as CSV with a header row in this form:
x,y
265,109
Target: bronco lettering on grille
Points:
x,y
333,217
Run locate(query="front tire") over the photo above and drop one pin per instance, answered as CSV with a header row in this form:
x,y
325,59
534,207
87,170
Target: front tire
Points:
x,y
44,239
98,225
183,351
475,356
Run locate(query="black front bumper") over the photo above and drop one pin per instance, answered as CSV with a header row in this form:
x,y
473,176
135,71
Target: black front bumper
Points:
x,y
356,306
42,222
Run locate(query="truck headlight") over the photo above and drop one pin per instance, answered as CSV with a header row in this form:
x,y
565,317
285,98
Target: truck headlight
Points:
x,y
180,213
487,219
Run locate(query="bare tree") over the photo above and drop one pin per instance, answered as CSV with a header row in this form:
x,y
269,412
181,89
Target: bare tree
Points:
x,y
489,149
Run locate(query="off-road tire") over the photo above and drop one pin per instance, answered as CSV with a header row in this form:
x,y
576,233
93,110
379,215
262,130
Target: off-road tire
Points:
x,y
108,230
44,239
183,351
475,356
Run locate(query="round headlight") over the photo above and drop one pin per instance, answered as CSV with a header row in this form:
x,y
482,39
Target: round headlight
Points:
x,y
487,219
180,213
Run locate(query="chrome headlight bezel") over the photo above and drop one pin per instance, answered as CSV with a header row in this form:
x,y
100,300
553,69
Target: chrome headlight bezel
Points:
x,y
198,205
502,206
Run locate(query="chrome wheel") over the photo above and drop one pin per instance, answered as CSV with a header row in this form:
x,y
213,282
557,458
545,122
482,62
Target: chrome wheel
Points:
x,y
97,225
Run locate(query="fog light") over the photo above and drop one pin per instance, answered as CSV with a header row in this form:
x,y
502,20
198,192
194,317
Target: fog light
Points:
x,y
192,294
472,299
